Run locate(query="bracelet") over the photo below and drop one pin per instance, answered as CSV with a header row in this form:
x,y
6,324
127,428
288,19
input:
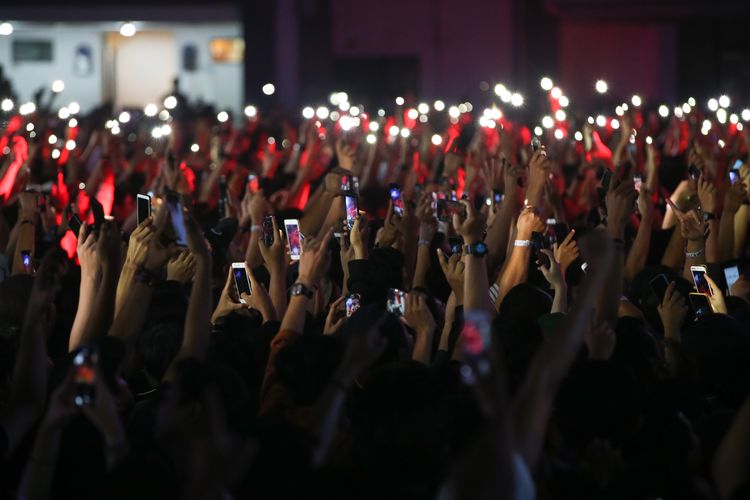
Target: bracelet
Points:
x,y
522,243
425,243
697,253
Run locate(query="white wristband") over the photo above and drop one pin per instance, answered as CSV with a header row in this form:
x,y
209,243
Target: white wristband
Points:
x,y
522,243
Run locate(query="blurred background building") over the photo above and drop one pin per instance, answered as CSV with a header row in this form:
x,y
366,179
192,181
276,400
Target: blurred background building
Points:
x,y
227,53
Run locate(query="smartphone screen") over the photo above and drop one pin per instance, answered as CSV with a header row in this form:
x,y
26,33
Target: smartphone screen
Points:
x,y
700,304
268,236
538,243
699,278
396,301
398,202
737,165
637,182
350,206
352,304
731,275
253,185
536,144
291,226
734,176
659,286
143,208
84,376
174,206
241,280
346,184
446,209
498,196
26,259
476,334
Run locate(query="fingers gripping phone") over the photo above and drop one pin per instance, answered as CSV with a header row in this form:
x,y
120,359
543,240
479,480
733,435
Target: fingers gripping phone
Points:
x,y
293,238
143,208
699,278
241,280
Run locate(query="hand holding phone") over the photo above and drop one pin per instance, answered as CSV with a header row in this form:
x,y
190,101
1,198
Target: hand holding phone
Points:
x,y
174,207
241,280
293,238
396,200
143,208
84,376
659,286
352,303
699,278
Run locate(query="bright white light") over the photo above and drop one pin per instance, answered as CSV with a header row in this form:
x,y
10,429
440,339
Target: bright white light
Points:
x,y
195,148
381,112
724,101
156,132
127,29
52,139
308,113
740,126
354,111
746,114
453,112
636,100
578,136
437,140
322,112
706,126
516,99
601,121
405,132
373,126
412,114
713,104
615,124
338,97
29,127
393,131
663,111
70,145
124,117
346,122
500,89
733,119
691,101
166,129
423,118
678,112
649,140
590,119
150,110
496,114
268,89
6,29
558,134
686,108
721,115
63,114
55,154
58,86
74,108
438,105
560,115
170,102
423,108
619,111
548,122
222,116
563,101
462,108
251,111
6,105
400,101
546,83
371,139
116,129
721,144
601,86
164,115
538,131
344,105
483,121
556,93
73,123
27,108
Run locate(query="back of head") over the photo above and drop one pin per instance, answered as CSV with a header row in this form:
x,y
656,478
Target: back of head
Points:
x,y
525,303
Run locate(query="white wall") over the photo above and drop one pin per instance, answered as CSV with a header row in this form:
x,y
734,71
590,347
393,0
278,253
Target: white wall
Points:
x,y
215,83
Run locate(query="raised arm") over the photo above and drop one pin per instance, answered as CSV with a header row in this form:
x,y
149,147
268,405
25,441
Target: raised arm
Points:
x,y
86,252
732,203
636,259
25,231
499,230
275,259
516,269
471,228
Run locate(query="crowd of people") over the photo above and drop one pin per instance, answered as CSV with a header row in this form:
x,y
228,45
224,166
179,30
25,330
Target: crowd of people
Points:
x,y
405,303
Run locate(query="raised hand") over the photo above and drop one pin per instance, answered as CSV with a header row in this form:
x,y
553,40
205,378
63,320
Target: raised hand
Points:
x,y
734,197
336,316
275,255
528,222
554,273
619,201
470,225
389,232
706,195
108,245
181,267
539,169
453,269
672,312
311,263
359,237
718,304
259,298
417,315
691,227
346,154
86,251
195,239
566,252
228,300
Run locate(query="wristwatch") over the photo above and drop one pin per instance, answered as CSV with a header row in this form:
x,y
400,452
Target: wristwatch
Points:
x,y
707,216
478,249
300,289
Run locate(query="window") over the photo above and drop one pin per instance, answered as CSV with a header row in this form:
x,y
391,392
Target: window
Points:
x,y
32,51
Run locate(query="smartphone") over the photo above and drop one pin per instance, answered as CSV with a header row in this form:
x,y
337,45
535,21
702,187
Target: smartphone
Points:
x,y
26,260
699,278
396,301
398,202
737,165
734,176
223,196
602,190
253,184
350,207
637,182
143,208
694,173
538,243
476,338
241,280
456,245
291,226
75,223
346,184
268,233
174,207
561,231
550,234
498,196
700,304
731,275
84,376
536,144
352,303
659,286
446,209
98,211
